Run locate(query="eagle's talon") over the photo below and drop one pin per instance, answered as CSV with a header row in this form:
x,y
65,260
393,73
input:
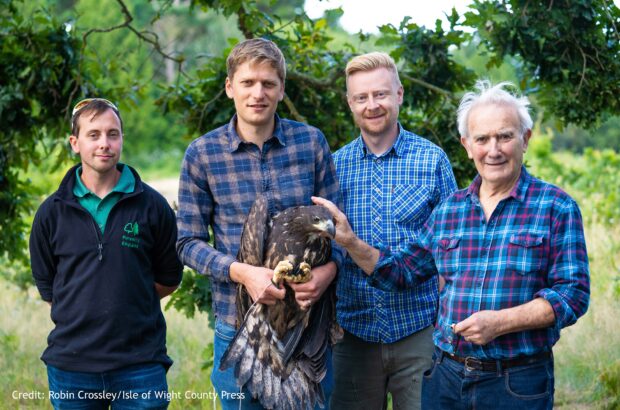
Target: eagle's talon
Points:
x,y
281,272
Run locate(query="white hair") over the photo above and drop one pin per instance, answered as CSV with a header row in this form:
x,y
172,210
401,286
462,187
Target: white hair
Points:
x,y
493,94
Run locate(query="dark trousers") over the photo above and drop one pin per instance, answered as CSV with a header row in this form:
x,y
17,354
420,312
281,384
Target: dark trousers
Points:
x,y
453,386
365,372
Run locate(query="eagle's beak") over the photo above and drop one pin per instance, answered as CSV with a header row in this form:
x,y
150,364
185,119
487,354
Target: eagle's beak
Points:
x,y
330,229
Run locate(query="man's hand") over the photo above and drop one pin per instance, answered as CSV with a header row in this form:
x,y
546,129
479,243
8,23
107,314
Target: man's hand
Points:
x,y
306,294
364,255
257,282
344,234
480,328
484,326
163,291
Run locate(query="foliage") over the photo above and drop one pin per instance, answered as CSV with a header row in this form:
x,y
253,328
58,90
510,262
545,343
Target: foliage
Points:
x,y
593,180
576,139
121,54
610,380
570,49
193,294
37,74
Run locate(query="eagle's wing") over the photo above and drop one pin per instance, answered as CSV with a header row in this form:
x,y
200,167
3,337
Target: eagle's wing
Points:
x,y
252,248
279,352
254,235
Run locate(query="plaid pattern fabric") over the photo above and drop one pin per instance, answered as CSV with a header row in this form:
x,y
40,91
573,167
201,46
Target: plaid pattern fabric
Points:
x,y
221,177
532,246
387,200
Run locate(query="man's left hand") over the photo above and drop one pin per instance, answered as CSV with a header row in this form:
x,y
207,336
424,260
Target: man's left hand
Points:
x,y
480,328
306,294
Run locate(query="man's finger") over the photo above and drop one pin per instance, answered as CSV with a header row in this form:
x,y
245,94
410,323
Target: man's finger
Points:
x,y
331,207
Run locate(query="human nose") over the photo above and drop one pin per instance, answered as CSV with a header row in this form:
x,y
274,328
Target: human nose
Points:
x,y
104,141
258,91
494,146
372,103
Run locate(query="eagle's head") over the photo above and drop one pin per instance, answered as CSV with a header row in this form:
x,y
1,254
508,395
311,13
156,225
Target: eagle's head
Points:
x,y
310,221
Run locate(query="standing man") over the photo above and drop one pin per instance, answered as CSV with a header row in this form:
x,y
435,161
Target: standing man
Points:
x,y
512,251
102,252
222,174
391,179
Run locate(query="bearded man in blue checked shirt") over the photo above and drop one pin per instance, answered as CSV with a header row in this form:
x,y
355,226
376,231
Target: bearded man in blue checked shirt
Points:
x,y
222,174
391,179
512,251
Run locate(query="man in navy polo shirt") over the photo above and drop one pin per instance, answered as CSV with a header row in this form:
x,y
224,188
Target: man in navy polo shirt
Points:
x,y
103,253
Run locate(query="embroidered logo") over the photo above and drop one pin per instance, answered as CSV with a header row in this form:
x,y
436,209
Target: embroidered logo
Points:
x,y
131,240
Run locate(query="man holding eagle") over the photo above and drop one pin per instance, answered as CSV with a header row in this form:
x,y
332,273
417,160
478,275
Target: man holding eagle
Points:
x,y
282,163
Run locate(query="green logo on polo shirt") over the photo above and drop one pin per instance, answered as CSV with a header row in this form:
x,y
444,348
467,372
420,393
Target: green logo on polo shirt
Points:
x,y
131,240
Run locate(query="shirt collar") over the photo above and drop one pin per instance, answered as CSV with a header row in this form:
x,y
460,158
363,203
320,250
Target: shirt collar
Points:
x,y
517,192
398,147
125,183
235,140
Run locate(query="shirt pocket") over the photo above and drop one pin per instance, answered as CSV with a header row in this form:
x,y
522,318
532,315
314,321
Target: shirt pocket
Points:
x,y
525,253
293,191
410,203
448,256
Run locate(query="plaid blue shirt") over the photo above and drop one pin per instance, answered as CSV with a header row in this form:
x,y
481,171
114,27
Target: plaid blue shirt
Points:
x,y
222,175
387,200
532,246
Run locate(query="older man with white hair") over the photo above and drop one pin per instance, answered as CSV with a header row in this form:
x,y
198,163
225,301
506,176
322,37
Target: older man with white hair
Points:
x,y
512,251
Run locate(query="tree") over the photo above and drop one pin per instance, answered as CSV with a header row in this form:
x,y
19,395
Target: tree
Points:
x,y
565,55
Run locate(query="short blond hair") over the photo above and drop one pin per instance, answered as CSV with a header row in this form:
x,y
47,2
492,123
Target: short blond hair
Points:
x,y
256,51
372,61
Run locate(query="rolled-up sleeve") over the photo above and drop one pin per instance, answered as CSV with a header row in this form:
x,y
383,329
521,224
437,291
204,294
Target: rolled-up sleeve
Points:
x,y
193,217
568,274
406,268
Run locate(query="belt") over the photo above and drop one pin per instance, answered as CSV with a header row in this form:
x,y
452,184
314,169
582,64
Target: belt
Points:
x,y
490,365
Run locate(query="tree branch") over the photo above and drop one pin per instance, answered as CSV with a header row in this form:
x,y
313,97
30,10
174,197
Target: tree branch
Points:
x,y
326,83
429,86
211,101
291,107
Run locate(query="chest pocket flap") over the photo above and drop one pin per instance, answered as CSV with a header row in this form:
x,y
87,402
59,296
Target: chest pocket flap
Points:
x,y
525,253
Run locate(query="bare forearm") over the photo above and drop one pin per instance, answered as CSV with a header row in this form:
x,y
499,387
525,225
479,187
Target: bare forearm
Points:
x,y
485,325
364,255
536,314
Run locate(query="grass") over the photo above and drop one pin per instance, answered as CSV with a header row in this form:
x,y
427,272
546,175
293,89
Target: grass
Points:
x,y
25,324
592,346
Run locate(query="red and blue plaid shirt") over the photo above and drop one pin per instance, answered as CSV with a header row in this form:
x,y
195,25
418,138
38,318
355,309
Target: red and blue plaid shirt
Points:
x,y
532,246
222,175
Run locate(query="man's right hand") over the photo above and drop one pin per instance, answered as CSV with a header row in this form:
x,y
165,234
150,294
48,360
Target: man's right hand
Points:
x,y
257,282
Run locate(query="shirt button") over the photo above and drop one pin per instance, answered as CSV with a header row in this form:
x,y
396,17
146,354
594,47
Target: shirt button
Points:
x,y
379,305
378,160
378,218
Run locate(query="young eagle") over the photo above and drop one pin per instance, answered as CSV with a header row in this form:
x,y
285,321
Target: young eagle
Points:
x,y
279,351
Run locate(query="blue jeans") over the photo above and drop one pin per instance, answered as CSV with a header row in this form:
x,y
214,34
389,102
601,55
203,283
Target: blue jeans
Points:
x,y
225,384
450,385
141,386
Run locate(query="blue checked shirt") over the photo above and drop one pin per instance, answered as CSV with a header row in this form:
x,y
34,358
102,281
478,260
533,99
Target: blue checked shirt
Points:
x,y
222,175
387,199
532,246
